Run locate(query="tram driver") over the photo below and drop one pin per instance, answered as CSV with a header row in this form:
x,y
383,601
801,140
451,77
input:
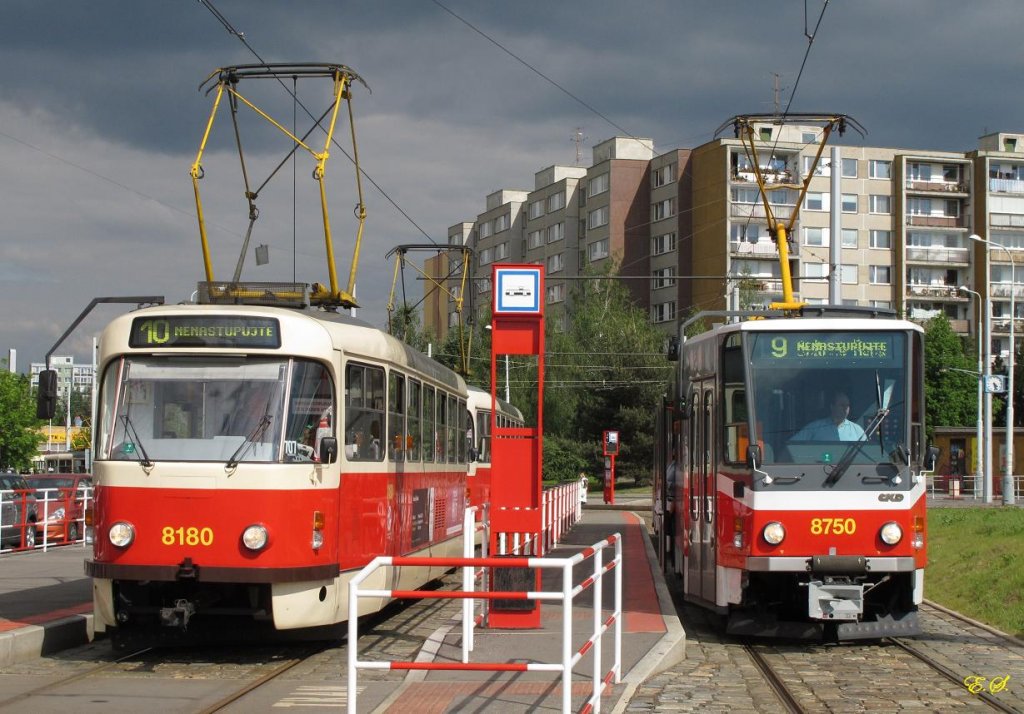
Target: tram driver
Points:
x,y
836,426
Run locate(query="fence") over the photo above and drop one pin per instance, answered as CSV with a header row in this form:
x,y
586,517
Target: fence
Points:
x,y
41,518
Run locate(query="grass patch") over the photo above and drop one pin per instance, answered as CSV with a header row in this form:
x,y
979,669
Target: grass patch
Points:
x,y
976,564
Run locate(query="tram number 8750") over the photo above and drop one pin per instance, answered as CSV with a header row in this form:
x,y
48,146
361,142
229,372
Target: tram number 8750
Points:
x,y
833,526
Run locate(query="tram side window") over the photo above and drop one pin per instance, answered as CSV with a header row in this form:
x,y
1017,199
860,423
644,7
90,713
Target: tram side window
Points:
x,y
310,411
441,435
483,436
414,437
364,412
737,430
429,427
396,416
455,428
465,429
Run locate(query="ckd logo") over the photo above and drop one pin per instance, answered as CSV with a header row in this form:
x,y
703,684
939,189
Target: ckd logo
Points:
x,y
890,497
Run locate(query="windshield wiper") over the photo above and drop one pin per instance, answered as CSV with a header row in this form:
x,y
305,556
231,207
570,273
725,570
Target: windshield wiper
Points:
x,y
853,449
250,440
137,443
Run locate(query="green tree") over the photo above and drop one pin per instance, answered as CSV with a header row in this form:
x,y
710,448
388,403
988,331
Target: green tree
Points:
x,y
950,394
605,369
19,434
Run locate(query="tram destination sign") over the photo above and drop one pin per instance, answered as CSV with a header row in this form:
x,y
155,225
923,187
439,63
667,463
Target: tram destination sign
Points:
x,y
205,331
808,348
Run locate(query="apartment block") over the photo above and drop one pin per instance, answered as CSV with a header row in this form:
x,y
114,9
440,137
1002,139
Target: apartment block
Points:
x,y
883,227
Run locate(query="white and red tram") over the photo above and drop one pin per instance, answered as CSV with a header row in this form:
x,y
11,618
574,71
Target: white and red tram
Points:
x,y
250,459
786,530
480,407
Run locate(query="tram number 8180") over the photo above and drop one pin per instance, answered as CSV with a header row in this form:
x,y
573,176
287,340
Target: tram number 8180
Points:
x,y
833,526
186,536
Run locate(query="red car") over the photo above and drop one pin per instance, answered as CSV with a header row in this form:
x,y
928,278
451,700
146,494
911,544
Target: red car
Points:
x,y
61,500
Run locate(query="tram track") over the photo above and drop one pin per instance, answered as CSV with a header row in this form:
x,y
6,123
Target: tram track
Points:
x,y
91,672
774,681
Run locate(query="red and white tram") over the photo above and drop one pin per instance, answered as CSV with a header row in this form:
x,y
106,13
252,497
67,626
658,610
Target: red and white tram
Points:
x,y
250,459
792,510
480,407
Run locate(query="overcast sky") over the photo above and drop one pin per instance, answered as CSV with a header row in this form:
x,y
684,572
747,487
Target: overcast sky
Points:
x,y
100,119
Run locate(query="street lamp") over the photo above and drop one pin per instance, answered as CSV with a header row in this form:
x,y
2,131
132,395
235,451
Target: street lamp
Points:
x,y
1008,496
978,474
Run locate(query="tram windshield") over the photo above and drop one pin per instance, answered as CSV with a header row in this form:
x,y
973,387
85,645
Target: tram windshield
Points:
x,y
828,398
226,409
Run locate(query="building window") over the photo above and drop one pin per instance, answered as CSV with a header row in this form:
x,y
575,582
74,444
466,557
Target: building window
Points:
x,y
815,270
598,184
663,312
880,274
807,137
919,172
885,304
598,217
555,264
880,204
486,228
485,256
556,232
662,244
502,222
849,168
663,209
880,169
881,239
501,251
536,209
598,250
664,175
849,203
849,237
816,201
556,293
816,236
535,239
749,232
824,168
663,278
951,173
556,201
848,274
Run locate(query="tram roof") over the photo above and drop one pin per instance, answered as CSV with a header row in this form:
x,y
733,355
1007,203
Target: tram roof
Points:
x,y
814,318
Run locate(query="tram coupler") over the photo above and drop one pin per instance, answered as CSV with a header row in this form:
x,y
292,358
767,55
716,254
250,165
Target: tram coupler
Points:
x,y
177,616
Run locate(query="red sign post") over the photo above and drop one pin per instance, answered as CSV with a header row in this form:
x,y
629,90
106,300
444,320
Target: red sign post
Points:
x,y
610,446
517,328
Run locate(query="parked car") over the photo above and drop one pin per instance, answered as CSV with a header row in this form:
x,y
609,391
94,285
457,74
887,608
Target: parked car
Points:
x,y
18,512
60,503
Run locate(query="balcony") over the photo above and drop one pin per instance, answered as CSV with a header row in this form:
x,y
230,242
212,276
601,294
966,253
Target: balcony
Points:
x,y
756,210
936,221
1003,185
941,292
771,176
944,187
764,248
1003,325
1003,290
944,256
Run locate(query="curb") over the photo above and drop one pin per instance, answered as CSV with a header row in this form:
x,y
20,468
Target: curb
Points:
x,y
33,641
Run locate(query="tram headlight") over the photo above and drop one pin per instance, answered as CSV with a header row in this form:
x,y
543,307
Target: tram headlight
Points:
x,y
255,537
774,533
121,534
891,533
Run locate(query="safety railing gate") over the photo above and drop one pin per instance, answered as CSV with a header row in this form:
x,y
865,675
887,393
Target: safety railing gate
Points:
x,y
566,596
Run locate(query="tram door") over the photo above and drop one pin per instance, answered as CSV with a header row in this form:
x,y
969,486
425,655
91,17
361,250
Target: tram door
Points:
x,y
700,566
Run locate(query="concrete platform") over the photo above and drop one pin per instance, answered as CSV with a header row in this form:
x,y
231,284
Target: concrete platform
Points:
x,y
652,640
45,602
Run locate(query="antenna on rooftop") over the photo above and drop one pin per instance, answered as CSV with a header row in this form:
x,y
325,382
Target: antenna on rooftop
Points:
x,y
578,138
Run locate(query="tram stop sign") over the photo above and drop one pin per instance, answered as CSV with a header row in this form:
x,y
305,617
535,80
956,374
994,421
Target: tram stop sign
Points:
x,y
611,443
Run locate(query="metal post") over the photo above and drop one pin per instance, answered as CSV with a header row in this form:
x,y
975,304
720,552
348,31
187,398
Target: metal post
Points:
x,y
978,469
835,287
1008,495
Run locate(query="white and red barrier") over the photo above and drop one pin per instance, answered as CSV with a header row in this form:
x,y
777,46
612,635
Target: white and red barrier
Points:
x,y
566,596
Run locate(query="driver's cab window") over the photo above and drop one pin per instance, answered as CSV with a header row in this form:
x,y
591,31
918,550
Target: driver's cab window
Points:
x,y
737,432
